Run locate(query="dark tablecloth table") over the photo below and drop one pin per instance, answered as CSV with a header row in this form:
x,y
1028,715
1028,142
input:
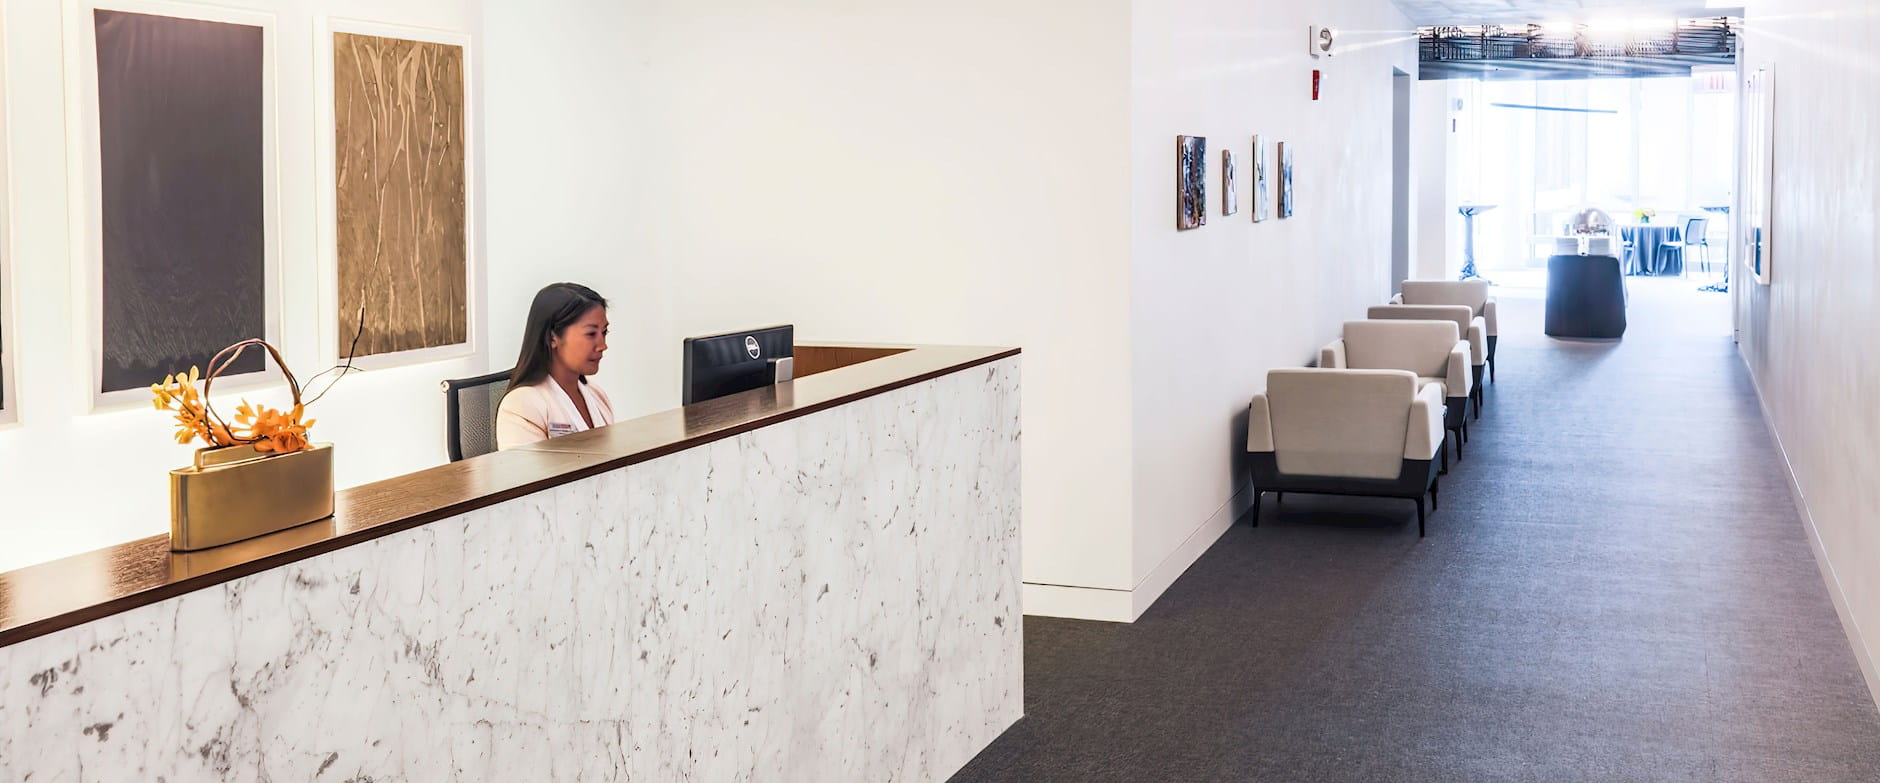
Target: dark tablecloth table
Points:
x,y
1643,258
1585,297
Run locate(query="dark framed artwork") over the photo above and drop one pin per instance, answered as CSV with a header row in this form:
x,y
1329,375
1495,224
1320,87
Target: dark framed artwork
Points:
x,y
1230,198
1259,179
1191,182
400,192
1285,180
180,185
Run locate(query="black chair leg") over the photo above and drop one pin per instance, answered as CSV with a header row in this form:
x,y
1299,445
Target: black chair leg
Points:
x,y
1465,430
1491,368
1419,516
1434,486
1256,507
1444,447
1478,403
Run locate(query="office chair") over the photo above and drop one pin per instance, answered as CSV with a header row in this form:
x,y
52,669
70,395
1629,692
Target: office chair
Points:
x,y
470,413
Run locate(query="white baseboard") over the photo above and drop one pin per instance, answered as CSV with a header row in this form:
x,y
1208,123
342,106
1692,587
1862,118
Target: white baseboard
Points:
x,y
1124,606
1863,653
1077,603
1172,567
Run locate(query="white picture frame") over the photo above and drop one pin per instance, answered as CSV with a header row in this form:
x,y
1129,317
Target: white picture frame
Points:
x,y
9,388
1757,224
335,337
85,205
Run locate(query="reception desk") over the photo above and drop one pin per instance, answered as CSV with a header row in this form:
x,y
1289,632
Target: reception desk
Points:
x,y
813,581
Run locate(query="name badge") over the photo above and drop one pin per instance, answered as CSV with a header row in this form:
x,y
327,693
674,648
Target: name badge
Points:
x,y
557,429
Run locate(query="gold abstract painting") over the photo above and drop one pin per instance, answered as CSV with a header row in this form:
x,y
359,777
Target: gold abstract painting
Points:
x,y
398,116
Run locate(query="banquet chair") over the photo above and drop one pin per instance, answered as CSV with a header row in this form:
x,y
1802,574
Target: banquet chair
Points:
x,y
1694,236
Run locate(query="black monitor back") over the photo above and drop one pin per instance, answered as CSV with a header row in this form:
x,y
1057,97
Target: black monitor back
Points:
x,y
721,364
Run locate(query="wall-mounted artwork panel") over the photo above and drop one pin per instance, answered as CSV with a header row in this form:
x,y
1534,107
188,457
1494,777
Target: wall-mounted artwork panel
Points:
x,y
176,188
1230,191
400,193
1286,202
1191,182
1259,179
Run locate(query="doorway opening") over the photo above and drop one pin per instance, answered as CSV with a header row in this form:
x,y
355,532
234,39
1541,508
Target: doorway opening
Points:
x,y
1400,85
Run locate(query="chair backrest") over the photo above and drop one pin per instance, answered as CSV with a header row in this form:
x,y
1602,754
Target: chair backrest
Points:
x,y
1339,422
1421,347
1695,229
1456,314
1473,293
470,406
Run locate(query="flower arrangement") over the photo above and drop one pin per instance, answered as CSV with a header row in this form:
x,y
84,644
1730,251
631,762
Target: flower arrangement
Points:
x,y
1644,214
268,430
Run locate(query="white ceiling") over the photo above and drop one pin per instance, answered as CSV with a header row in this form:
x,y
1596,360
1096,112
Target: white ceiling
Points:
x,y
1457,12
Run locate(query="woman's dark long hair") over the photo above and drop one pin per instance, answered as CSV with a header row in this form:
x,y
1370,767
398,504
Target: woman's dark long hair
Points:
x,y
556,307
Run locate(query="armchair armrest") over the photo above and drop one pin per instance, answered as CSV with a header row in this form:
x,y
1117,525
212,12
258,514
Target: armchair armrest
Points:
x,y
1478,340
1458,374
1332,356
1488,317
1259,425
1425,433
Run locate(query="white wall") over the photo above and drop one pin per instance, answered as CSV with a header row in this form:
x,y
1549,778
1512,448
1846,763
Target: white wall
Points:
x,y
1212,309
885,171
559,134
75,480
1810,337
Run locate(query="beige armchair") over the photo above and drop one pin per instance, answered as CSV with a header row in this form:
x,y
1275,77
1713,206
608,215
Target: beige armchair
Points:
x,y
1473,293
1474,330
1346,432
1433,350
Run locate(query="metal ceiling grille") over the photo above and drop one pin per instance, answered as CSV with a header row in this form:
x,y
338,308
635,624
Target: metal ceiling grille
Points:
x,y
1577,51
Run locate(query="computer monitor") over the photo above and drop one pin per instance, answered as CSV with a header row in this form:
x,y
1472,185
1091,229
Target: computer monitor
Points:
x,y
721,364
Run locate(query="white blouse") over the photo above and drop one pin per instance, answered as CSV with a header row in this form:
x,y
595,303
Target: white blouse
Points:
x,y
542,410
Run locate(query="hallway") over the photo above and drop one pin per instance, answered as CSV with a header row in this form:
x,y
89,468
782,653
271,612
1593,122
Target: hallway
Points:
x,y
1617,587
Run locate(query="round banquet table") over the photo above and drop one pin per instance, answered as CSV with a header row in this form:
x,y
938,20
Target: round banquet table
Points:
x,y
1642,256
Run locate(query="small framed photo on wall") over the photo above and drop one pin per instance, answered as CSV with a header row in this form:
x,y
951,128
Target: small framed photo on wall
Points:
x,y
1259,178
1285,180
1191,182
1230,199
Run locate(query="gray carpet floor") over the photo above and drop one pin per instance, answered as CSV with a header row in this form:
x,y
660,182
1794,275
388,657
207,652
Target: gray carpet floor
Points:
x,y
1617,587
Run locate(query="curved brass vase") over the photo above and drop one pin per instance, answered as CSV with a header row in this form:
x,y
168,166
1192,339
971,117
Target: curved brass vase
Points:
x,y
235,492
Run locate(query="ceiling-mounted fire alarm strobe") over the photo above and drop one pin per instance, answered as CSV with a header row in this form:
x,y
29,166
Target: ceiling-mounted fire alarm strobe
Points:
x,y
1322,41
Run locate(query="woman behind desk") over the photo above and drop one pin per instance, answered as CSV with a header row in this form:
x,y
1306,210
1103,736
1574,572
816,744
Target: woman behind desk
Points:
x,y
549,392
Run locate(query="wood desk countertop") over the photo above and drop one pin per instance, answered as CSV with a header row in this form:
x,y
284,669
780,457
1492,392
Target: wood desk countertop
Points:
x,y
40,599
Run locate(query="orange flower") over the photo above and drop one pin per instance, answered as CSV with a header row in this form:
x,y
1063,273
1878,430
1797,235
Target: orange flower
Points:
x,y
179,393
273,431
